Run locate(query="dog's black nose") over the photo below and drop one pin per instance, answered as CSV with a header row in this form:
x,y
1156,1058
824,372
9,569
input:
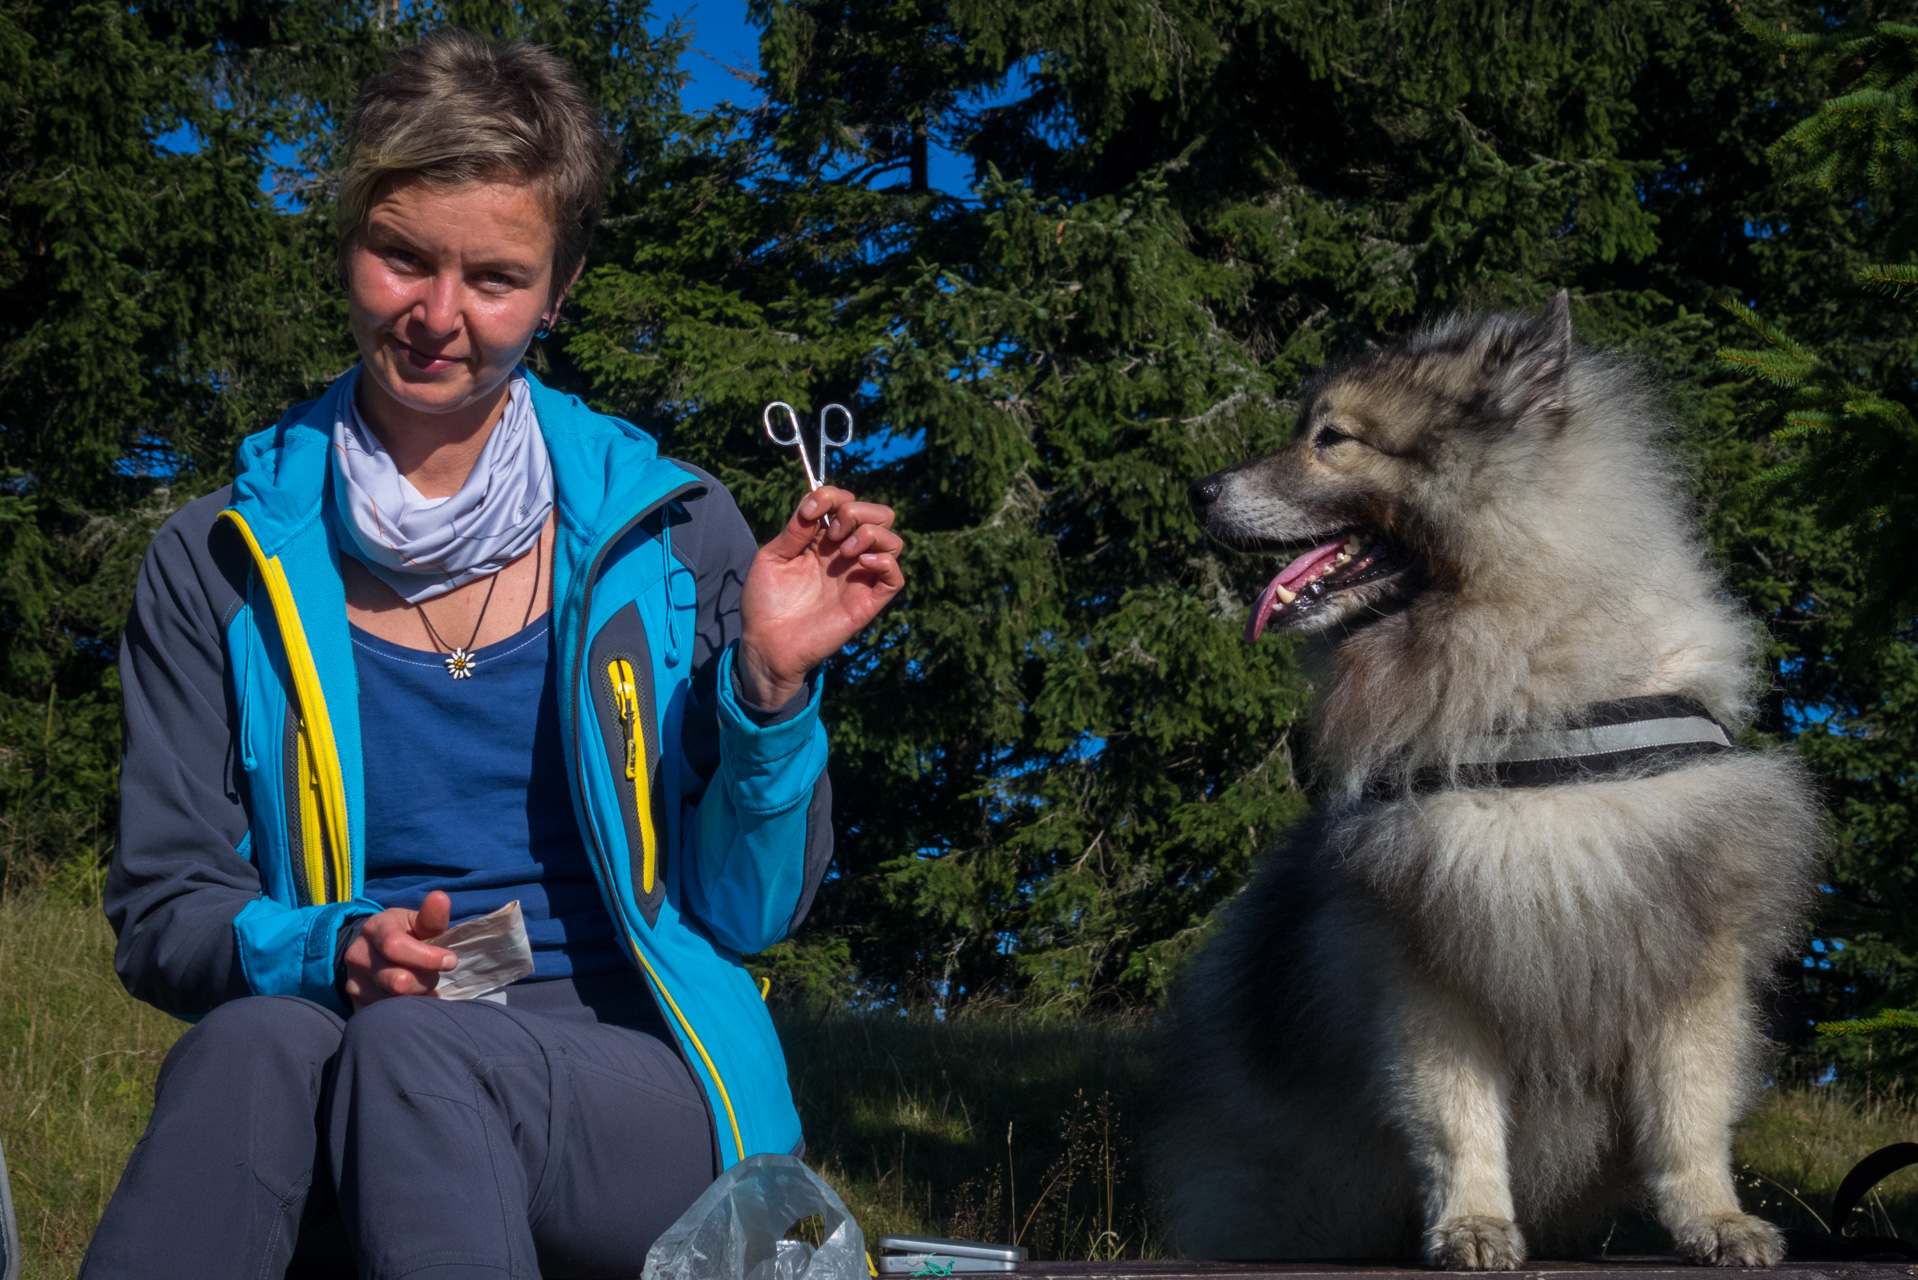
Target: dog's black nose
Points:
x,y
1205,491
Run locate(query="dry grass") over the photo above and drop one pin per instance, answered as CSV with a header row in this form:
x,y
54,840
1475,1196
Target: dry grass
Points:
x,y
1796,1148
999,1125
994,1126
77,1062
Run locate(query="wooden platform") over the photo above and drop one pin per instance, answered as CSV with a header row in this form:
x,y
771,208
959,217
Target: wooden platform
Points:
x,y
1596,1269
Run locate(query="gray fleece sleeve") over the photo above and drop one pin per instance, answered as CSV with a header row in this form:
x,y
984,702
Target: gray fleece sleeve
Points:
x,y
717,544
177,878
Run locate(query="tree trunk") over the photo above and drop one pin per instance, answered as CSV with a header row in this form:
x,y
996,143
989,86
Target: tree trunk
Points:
x,y
918,183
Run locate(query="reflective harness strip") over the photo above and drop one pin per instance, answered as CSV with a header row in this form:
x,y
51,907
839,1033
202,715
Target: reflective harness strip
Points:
x,y
1640,737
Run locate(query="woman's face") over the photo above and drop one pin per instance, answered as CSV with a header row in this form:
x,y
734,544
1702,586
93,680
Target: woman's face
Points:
x,y
446,286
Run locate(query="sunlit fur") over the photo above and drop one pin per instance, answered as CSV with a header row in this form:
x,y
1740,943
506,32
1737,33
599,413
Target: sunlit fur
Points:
x,y
1444,1024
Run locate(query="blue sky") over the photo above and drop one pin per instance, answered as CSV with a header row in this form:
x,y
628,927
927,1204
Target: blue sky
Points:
x,y
723,39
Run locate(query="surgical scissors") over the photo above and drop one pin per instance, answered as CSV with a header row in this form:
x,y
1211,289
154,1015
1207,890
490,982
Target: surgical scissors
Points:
x,y
790,438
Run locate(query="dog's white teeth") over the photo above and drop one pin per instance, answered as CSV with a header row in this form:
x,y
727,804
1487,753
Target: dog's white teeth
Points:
x,y
1344,557
1352,547
1286,597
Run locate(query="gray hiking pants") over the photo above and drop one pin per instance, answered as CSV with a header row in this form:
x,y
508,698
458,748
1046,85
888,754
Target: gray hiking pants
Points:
x,y
418,1138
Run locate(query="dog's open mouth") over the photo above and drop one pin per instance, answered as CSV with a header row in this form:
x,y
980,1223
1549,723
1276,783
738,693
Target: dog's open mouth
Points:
x,y
1348,560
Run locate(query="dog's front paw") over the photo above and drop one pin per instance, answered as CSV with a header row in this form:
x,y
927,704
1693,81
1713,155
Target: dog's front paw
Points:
x,y
1730,1240
1475,1243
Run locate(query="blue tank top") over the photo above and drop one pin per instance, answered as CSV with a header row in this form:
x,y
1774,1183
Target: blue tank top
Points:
x,y
466,791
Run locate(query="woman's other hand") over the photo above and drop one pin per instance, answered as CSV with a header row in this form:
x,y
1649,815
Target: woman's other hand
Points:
x,y
813,588
390,956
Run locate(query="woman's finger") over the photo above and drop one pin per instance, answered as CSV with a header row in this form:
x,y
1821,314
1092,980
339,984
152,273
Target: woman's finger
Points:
x,y
398,981
814,509
434,915
859,515
886,567
405,949
873,538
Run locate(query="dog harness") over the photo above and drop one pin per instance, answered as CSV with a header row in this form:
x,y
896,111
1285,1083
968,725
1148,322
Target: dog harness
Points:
x,y
1637,736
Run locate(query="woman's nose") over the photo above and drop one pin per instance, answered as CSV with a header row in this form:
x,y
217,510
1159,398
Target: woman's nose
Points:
x,y
440,309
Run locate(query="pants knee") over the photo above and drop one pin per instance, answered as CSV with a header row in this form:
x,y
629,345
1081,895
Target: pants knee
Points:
x,y
409,1038
263,1032
271,1043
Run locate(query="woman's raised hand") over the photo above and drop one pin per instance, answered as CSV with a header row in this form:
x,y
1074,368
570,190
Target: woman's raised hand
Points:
x,y
390,956
813,588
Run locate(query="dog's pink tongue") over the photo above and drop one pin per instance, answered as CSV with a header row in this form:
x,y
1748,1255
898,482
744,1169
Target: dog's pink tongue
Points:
x,y
1291,578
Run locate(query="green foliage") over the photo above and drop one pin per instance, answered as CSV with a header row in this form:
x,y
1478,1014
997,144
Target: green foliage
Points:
x,y
1055,757
1087,740
1854,447
1863,136
1825,506
152,303
1884,1020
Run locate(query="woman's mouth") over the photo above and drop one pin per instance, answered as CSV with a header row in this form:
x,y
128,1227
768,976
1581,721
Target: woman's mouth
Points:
x,y
426,361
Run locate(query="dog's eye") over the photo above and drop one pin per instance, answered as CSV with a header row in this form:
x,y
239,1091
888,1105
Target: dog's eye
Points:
x,y
1329,436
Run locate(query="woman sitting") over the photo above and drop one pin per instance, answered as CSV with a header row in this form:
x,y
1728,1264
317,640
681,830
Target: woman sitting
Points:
x,y
452,640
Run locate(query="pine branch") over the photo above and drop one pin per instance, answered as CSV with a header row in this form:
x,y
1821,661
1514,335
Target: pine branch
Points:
x,y
1888,1020
1770,365
1890,278
1772,334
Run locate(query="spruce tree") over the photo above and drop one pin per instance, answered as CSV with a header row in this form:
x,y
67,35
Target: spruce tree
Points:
x,y
1831,483
1061,755
153,303
1056,756
166,264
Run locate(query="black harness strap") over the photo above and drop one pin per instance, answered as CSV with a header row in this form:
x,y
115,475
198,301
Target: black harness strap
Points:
x,y
1637,736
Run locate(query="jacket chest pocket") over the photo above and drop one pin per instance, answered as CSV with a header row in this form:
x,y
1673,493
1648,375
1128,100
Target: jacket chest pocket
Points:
x,y
621,672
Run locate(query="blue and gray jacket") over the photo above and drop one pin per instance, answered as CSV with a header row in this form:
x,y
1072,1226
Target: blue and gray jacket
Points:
x,y
242,828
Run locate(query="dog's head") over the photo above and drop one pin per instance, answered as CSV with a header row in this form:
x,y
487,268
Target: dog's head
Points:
x,y
1394,480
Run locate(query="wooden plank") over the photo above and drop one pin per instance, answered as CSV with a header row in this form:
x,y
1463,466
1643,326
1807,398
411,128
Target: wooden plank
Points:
x,y
1593,1269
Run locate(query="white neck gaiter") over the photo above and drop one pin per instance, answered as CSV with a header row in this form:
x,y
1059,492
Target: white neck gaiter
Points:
x,y
426,547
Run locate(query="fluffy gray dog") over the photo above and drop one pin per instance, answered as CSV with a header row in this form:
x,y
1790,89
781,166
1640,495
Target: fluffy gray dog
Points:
x,y
1508,974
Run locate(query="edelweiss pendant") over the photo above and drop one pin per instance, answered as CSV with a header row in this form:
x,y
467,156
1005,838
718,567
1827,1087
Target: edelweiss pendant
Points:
x,y
460,664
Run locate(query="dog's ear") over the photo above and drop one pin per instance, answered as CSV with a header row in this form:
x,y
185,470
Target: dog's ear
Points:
x,y
1531,385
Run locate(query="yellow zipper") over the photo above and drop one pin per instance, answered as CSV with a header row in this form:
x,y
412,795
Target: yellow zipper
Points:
x,y
626,699
725,1098
320,767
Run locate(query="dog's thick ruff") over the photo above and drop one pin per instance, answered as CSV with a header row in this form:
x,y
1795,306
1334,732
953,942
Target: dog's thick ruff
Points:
x,y
1465,1022
465,1139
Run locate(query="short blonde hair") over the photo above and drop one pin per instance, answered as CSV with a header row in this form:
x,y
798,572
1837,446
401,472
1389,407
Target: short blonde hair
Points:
x,y
456,108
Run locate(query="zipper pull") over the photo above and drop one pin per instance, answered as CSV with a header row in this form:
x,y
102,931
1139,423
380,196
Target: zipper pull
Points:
x,y
627,696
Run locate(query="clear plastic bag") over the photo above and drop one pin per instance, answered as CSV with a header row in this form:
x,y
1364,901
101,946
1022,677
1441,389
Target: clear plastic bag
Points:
x,y
733,1231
